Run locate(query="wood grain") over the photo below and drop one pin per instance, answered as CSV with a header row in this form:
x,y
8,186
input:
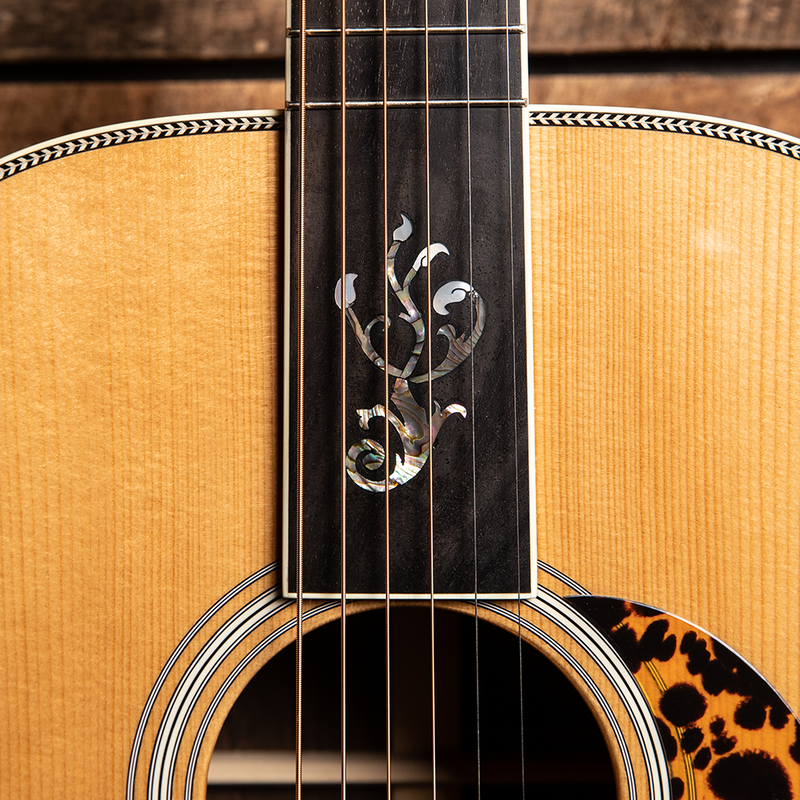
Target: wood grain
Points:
x,y
611,26
139,433
668,443
92,30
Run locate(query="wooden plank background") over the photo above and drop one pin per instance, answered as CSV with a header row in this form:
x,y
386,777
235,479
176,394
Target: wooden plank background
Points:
x,y
77,64
99,30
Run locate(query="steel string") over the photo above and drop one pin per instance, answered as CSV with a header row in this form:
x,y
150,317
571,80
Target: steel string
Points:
x,y
429,341
385,156
343,392
301,153
472,409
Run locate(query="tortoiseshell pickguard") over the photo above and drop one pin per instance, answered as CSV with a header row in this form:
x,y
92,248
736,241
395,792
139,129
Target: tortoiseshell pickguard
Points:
x,y
727,733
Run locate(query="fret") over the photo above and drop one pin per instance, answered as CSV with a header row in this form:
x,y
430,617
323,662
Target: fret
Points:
x,y
501,102
433,30
401,13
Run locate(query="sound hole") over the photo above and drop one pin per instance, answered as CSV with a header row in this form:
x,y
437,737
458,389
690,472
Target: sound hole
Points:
x,y
565,754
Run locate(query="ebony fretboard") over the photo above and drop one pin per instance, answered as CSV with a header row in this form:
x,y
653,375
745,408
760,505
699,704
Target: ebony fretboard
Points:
x,y
471,154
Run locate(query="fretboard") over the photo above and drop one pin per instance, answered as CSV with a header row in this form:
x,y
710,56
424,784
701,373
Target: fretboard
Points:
x,y
434,157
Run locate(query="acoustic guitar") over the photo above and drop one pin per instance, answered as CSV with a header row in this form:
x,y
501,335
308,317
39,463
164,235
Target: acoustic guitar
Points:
x,y
531,368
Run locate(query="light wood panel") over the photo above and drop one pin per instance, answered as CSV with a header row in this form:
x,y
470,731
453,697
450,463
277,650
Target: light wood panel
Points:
x,y
609,26
212,29
104,29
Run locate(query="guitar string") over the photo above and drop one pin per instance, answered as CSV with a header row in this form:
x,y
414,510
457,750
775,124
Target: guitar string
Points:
x,y
386,461
429,339
301,152
343,395
301,299
514,386
300,411
472,411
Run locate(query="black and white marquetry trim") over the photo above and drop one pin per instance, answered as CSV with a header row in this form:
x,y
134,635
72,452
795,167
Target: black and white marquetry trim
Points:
x,y
147,130
562,578
641,120
539,116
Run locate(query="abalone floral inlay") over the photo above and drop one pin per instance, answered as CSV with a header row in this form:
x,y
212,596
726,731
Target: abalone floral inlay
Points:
x,y
410,420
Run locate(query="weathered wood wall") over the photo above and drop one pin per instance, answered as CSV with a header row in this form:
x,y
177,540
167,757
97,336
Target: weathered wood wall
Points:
x,y
82,63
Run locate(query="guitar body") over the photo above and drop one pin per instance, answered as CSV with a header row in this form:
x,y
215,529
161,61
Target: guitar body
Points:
x,y
141,331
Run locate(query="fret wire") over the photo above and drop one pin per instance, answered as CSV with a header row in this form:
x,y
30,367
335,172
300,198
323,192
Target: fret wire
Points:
x,y
300,410
408,30
318,105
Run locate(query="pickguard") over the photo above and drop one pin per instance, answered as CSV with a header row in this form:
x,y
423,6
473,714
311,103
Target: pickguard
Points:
x,y
727,733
